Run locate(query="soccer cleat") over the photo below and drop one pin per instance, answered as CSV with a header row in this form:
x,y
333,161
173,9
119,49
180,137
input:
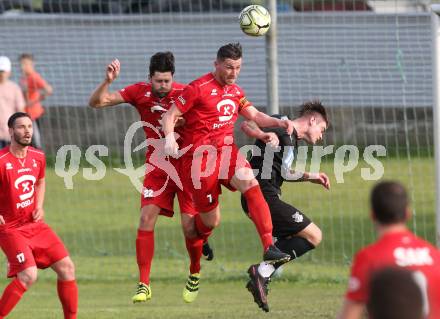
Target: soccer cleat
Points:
x,y
257,286
143,293
191,289
207,251
275,256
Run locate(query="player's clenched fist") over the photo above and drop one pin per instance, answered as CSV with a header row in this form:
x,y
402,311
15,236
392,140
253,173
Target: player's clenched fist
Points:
x,y
171,146
288,125
112,71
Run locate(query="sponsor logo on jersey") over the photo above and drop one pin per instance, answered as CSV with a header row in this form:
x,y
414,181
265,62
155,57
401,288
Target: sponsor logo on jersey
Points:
x,y
148,94
181,99
219,125
35,163
22,170
227,109
26,183
406,257
9,166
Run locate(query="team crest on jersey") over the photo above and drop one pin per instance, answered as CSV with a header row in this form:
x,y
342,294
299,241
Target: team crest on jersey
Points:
x,y
298,217
35,163
214,92
9,166
148,94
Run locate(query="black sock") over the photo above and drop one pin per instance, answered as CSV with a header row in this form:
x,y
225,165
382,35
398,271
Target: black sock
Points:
x,y
294,246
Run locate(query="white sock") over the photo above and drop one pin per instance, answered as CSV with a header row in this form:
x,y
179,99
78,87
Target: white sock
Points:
x,y
266,269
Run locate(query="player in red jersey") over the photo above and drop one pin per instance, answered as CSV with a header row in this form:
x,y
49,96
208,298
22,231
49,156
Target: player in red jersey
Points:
x,y
210,106
396,246
27,241
152,100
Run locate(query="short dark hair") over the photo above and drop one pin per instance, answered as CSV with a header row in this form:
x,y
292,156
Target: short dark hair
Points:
x,y
15,116
28,56
162,62
232,51
314,106
394,294
389,202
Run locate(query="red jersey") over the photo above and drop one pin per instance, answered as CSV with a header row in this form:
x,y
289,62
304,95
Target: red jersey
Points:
x,y
150,107
17,185
214,111
402,249
31,85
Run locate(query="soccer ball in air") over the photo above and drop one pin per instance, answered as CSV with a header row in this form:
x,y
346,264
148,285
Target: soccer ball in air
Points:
x,y
254,20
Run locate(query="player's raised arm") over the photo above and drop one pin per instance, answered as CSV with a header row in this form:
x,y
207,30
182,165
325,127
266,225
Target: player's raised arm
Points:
x,y
264,120
101,97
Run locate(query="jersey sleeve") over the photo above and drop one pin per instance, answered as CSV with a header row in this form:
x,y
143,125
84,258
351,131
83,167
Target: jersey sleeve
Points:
x,y
42,173
357,284
187,98
39,82
129,93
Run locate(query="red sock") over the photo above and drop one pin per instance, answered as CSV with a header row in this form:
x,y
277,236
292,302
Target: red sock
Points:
x,y
68,294
144,254
203,230
11,296
260,214
194,247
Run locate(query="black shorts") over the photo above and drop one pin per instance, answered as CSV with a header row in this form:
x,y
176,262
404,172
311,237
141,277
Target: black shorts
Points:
x,y
286,219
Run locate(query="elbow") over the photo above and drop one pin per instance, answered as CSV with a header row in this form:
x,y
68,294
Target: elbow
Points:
x,y
94,104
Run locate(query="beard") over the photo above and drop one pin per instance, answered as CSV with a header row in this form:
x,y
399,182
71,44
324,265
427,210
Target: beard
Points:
x,y
22,141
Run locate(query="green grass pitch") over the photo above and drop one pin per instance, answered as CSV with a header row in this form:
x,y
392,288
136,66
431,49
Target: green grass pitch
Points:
x,y
98,219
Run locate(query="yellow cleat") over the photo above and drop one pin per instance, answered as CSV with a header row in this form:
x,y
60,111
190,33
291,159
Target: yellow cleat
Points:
x,y
143,293
191,289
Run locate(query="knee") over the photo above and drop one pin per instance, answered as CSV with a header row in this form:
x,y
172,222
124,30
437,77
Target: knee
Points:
x,y
147,220
248,184
315,237
213,223
189,231
66,270
28,276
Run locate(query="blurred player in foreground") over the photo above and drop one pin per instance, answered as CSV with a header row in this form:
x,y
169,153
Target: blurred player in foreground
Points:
x,y
396,246
27,241
394,294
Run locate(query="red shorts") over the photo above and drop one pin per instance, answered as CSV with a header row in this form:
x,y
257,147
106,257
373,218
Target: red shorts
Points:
x,y
160,189
204,173
33,244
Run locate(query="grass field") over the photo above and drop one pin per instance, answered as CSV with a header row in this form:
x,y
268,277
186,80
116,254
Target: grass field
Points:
x,y
98,219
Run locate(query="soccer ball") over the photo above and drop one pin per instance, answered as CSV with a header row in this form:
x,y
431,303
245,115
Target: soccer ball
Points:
x,y
254,20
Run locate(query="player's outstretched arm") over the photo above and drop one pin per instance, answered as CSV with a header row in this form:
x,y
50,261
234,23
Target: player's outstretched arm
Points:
x,y
251,129
101,97
316,178
264,120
